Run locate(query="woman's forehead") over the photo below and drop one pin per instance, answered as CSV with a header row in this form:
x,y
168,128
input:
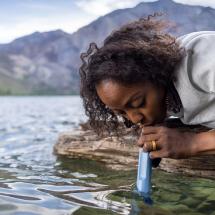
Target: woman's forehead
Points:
x,y
116,95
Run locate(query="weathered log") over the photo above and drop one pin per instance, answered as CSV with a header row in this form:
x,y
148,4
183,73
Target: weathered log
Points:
x,y
123,154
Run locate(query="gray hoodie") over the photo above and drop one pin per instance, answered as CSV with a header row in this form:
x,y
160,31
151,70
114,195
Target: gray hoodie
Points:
x,y
196,79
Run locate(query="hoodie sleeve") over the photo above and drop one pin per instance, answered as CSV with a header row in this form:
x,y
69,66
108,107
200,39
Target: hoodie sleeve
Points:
x,y
200,62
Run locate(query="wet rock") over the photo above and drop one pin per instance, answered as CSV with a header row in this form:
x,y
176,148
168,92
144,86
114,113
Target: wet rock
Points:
x,y
170,197
191,202
178,209
86,144
205,192
206,207
194,166
191,213
211,197
123,154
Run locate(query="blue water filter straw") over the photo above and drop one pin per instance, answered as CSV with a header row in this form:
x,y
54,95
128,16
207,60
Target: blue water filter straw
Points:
x,y
144,175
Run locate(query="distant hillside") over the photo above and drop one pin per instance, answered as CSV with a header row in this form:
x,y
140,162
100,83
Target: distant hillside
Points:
x,y
47,63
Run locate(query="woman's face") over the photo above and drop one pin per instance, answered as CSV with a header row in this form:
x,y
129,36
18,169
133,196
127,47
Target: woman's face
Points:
x,y
140,103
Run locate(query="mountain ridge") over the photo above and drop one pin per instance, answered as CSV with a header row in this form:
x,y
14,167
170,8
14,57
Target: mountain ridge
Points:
x,y
48,62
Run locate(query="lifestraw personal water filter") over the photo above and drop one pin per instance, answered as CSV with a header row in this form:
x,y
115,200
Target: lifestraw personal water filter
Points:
x,y
144,173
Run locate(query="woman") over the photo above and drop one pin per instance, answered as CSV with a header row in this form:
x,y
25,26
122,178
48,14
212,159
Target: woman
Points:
x,y
142,75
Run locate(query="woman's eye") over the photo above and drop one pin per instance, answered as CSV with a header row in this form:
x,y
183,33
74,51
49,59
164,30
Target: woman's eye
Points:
x,y
141,104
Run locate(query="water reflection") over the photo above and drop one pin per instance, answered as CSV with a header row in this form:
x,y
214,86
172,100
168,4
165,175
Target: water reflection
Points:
x,y
34,181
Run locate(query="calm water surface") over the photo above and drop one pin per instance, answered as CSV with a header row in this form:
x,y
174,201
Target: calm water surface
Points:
x,y
34,181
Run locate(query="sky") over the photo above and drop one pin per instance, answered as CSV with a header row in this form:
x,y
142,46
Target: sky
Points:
x,y
23,17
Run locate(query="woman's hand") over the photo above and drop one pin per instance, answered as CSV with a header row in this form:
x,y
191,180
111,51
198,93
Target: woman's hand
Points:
x,y
170,142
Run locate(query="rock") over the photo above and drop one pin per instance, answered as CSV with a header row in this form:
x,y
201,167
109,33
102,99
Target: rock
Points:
x,y
178,209
123,153
202,166
86,144
191,202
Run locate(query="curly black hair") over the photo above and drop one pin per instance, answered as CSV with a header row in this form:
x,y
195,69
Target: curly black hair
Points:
x,y
138,51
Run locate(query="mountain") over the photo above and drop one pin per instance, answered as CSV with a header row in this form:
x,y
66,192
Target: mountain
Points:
x,y
48,62
41,62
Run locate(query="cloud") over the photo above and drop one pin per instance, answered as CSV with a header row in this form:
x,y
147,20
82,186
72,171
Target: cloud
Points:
x,y
27,16
101,7
42,24
204,3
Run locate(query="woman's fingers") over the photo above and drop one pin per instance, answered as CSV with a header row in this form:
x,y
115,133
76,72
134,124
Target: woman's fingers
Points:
x,y
147,138
148,146
157,154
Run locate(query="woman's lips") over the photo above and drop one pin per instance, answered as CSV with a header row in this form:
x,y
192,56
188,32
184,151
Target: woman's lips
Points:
x,y
154,122
151,122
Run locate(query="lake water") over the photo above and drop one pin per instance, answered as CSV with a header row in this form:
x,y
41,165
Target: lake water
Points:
x,y
34,181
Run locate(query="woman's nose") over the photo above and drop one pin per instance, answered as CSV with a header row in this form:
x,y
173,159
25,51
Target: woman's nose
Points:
x,y
135,116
